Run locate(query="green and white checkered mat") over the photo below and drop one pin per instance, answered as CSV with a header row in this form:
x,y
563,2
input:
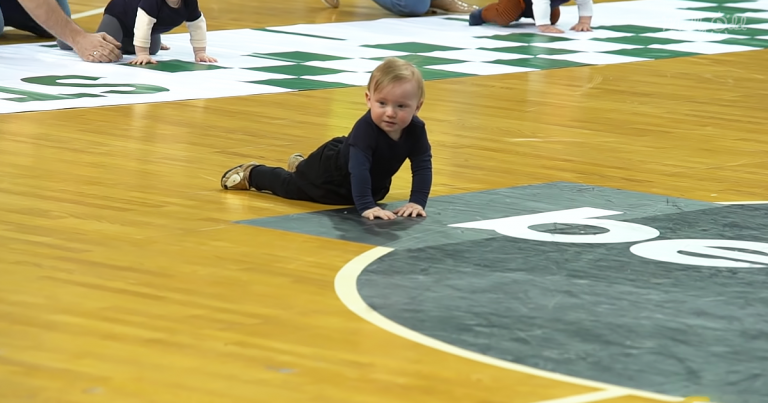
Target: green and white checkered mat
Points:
x,y
37,77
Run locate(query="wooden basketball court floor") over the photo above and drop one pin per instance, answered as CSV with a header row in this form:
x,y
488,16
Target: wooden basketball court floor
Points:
x,y
123,278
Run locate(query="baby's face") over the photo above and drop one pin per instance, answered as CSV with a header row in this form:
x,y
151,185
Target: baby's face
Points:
x,y
393,107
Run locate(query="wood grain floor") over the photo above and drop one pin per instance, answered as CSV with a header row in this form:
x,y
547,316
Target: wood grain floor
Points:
x,y
123,278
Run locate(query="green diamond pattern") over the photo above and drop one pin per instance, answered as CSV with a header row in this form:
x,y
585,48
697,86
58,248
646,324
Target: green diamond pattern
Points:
x,y
727,10
539,63
752,42
527,38
294,33
745,31
337,55
631,29
744,20
411,47
640,40
423,60
300,84
651,53
531,50
176,66
297,57
433,74
723,1
298,70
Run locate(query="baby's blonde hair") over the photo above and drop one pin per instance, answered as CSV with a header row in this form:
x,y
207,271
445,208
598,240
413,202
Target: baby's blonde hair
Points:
x,y
393,70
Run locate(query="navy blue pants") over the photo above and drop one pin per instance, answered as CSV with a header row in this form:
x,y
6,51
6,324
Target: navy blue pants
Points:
x,y
320,178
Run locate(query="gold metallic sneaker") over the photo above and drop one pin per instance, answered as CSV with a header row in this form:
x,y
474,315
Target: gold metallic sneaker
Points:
x,y
332,3
293,161
451,7
237,177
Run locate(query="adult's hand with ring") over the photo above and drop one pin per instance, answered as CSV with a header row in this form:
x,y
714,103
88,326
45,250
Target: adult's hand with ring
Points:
x,y
51,17
97,48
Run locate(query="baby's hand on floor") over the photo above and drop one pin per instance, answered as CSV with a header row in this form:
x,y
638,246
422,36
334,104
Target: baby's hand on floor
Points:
x,y
203,58
581,27
410,210
550,29
379,212
142,60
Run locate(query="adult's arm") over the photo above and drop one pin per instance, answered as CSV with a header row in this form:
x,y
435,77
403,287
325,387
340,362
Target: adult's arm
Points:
x,y
90,47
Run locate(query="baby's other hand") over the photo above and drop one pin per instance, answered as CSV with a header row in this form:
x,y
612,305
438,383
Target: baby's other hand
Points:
x,y
142,60
581,27
550,29
410,210
203,58
379,212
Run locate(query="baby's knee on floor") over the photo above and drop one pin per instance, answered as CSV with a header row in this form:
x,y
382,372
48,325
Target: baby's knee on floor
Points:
x,y
554,16
64,4
496,14
410,8
63,45
155,44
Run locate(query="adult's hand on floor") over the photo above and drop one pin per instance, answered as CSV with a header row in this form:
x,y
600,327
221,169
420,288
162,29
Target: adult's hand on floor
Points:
x,y
98,48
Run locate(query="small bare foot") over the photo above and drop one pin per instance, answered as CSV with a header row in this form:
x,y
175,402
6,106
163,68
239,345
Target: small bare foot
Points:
x,y
164,47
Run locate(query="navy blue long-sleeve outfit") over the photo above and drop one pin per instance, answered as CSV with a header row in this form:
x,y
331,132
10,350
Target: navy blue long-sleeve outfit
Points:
x,y
356,169
167,17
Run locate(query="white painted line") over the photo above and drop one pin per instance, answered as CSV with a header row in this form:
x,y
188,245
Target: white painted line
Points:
x,y
88,13
346,288
744,202
588,397
74,16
